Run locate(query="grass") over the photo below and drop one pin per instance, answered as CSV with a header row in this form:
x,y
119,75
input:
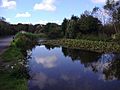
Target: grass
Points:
x,y
12,54
10,77
13,74
7,82
96,46
99,37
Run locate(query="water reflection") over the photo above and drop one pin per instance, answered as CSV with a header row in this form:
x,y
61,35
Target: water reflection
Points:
x,y
107,64
47,62
41,79
58,68
84,56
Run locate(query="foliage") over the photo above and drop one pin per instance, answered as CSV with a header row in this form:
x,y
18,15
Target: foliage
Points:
x,y
99,37
10,83
15,74
11,29
113,8
89,24
71,29
97,46
86,24
116,37
52,30
64,26
12,54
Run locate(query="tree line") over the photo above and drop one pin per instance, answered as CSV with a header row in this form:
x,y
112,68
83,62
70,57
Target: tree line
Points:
x,y
100,22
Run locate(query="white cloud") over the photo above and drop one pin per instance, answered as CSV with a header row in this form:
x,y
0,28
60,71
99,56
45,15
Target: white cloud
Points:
x,y
8,19
26,14
100,1
47,62
8,4
42,22
46,5
41,80
45,22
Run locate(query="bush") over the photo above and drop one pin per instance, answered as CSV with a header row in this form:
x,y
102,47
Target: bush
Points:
x,y
116,37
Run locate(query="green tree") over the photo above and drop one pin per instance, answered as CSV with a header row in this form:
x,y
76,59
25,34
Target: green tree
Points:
x,y
64,26
113,8
53,30
72,27
89,24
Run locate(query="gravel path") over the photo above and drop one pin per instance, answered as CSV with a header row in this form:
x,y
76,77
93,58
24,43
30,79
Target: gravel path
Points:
x,y
5,43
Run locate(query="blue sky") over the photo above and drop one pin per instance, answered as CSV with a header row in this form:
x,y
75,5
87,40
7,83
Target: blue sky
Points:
x,y
43,11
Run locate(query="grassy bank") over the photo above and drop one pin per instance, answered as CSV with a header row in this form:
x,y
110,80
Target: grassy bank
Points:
x,y
9,80
13,74
97,46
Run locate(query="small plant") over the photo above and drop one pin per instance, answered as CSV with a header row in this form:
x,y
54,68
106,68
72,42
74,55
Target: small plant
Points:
x,y
116,37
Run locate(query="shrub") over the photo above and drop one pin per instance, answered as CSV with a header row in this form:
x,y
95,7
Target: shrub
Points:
x,y
116,37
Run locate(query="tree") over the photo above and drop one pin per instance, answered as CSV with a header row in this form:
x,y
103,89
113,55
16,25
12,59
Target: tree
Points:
x,y
70,33
64,26
89,24
53,30
74,18
101,14
4,27
72,27
2,19
113,8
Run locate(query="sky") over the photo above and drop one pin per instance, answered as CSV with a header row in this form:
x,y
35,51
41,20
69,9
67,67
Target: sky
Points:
x,y
44,11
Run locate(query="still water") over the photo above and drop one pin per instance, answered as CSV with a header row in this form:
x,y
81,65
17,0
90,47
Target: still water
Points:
x,y
58,68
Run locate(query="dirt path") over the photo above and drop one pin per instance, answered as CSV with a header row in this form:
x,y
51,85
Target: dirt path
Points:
x,y
5,43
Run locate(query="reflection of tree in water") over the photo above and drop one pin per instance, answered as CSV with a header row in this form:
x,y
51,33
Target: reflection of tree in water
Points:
x,y
30,45
113,70
49,47
106,64
84,56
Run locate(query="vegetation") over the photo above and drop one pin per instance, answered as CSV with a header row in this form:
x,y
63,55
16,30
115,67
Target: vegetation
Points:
x,y
12,54
91,31
52,30
100,22
97,46
7,82
13,72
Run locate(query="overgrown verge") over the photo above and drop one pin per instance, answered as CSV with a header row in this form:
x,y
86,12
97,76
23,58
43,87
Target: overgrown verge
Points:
x,y
96,46
13,72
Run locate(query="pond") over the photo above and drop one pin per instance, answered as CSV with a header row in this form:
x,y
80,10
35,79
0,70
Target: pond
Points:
x,y
58,68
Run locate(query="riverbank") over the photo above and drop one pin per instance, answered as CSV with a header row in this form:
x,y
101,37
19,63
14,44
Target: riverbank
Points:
x,y
96,46
13,72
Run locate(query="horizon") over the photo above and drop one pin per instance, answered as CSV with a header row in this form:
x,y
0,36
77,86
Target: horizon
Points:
x,y
44,11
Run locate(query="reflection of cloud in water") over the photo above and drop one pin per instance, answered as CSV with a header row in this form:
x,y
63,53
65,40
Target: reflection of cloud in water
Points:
x,y
47,62
70,77
65,77
41,80
103,63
